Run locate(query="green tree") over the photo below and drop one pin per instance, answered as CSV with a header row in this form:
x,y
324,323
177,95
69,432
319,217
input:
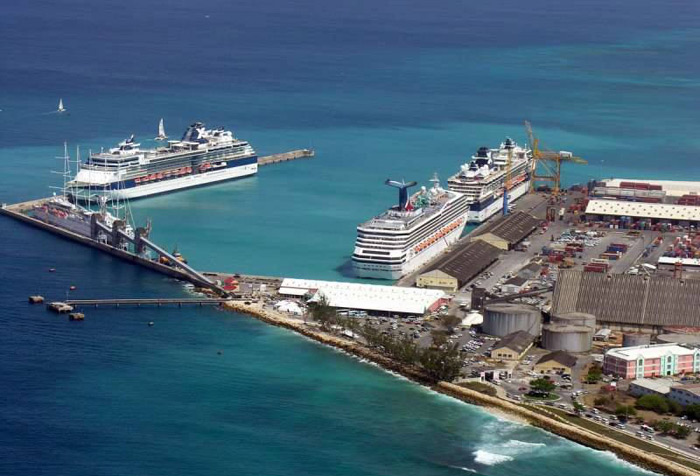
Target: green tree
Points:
x,y
655,403
595,373
450,323
441,363
542,385
625,411
674,407
692,411
578,407
323,313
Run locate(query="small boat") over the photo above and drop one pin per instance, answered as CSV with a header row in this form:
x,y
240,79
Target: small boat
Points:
x,y
60,106
161,131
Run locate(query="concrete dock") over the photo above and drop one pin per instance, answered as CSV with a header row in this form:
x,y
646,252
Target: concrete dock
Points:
x,y
286,156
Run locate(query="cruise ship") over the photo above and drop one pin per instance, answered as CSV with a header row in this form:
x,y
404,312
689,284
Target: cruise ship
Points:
x,y
409,234
482,179
202,156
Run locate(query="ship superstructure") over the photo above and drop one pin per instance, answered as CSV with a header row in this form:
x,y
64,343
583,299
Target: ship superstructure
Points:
x,y
409,234
201,157
482,179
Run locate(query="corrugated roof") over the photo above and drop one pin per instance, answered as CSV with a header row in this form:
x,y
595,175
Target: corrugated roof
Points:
x,y
436,273
369,297
643,210
560,357
648,351
628,299
466,262
517,341
512,228
660,385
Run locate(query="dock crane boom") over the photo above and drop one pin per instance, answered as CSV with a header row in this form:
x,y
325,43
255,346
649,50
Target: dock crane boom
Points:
x,y
546,164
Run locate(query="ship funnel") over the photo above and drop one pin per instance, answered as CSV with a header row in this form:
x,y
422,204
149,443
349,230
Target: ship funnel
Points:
x,y
403,191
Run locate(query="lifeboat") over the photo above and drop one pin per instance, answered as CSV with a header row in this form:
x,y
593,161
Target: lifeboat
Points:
x,y
137,180
189,170
153,177
160,175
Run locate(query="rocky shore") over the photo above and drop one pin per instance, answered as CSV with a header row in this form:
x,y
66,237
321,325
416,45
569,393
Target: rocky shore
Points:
x,y
548,423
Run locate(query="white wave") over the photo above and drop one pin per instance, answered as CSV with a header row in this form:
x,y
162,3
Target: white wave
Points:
x,y
523,444
490,459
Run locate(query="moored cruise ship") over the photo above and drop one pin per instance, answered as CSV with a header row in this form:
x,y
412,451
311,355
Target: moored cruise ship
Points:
x,y
482,179
406,236
202,156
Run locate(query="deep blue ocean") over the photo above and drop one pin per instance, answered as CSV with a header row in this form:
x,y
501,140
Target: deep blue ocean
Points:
x,y
379,89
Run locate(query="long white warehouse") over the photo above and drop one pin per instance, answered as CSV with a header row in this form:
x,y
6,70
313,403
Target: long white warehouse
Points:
x,y
367,297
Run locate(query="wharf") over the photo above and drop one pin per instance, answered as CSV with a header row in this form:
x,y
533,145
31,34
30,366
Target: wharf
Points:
x,y
17,211
144,302
286,156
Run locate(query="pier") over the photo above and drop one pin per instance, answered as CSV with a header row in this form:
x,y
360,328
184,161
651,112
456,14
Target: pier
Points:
x,y
138,302
286,156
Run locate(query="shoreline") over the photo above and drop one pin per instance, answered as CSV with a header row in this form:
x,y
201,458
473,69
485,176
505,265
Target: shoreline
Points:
x,y
522,414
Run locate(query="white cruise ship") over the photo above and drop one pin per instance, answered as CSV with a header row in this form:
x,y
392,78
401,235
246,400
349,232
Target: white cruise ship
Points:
x,y
406,236
201,157
482,179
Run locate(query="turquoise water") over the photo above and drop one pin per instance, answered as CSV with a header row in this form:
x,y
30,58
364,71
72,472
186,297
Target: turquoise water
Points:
x,y
390,89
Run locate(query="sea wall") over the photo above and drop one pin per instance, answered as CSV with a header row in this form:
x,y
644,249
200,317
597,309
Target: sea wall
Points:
x,y
548,423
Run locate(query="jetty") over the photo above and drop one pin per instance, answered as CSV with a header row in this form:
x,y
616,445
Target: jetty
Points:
x,y
286,156
138,302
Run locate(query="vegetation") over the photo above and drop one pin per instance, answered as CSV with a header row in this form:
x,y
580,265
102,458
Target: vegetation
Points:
x,y
669,428
440,361
578,407
625,411
450,323
692,412
480,387
659,404
542,385
595,374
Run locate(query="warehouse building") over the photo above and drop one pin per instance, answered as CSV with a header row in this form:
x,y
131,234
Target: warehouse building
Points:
x,y
685,394
647,386
600,209
506,232
467,261
651,361
628,303
558,362
514,285
375,299
437,279
513,346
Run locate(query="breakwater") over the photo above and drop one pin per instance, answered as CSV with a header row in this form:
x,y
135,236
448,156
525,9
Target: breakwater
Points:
x,y
548,423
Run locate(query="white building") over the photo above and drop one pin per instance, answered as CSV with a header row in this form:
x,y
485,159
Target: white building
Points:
x,y
366,297
646,386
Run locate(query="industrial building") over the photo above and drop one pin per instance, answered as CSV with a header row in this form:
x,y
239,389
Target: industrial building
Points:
x,y
556,362
647,386
514,285
651,361
570,332
506,232
366,297
688,394
629,303
513,346
501,319
600,209
437,279
467,261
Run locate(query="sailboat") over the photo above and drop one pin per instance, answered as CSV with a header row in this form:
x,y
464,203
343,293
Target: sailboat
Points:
x,y
161,131
60,106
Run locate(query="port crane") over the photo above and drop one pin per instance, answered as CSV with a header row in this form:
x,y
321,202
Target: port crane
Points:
x,y
546,164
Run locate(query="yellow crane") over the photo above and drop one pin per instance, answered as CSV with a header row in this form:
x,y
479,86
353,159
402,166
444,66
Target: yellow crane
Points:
x,y
546,164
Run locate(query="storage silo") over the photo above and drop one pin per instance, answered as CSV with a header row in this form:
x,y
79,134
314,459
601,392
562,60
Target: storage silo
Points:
x,y
574,319
502,319
635,339
569,338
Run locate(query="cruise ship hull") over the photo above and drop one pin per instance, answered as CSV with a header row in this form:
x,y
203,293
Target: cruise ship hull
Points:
x,y
130,190
482,210
414,259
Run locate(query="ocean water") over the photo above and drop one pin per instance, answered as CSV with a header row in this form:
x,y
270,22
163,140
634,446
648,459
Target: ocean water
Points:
x,y
379,89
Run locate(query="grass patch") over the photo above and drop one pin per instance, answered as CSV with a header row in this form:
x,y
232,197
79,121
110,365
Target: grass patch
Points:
x,y
549,398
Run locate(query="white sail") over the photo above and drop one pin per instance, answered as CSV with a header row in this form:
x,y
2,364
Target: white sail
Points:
x,y
161,131
60,105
